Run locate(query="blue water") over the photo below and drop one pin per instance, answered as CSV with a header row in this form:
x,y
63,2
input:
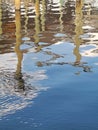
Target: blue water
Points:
x,y
49,66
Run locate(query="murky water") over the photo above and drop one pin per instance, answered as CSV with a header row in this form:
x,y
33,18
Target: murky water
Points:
x,y
49,65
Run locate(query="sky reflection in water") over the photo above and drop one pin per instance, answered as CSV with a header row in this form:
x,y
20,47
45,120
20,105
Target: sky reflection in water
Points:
x,y
44,40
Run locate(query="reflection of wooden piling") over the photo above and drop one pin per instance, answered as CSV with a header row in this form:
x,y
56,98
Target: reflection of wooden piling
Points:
x,y
18,42
17,4
61,16
37,7
19,52
78,29
0,17
43,15
26,15
37,21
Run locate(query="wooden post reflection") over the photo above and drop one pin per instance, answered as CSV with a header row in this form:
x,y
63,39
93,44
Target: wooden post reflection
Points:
x,y
89,10
78,29
37,21
0,17
17,4
61,15
19,53
43,15
26,15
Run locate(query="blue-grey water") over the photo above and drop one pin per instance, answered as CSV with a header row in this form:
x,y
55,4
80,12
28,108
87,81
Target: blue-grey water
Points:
x,y
49,65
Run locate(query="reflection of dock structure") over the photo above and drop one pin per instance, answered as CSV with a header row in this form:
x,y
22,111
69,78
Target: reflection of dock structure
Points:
x,y
17,3
43,22
17,89
17,46
0,17
78,30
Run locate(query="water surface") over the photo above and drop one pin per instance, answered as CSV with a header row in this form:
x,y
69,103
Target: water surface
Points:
x,y
49,65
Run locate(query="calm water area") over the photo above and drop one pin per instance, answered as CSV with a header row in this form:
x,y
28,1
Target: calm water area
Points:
x,y
49,65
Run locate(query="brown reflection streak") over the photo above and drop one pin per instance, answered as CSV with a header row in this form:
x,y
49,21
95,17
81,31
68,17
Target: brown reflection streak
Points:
x,y
43,15
61,16
19,53
37,21
26,16
0,17
78,29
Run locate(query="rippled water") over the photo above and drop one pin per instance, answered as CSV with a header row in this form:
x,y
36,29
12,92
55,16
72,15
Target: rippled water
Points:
x,y
49,65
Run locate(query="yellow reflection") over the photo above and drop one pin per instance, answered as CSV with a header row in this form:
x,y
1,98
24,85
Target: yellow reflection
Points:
x,y
43,15
78,29
26,15
37,21
19,53
61,15
17,4
0,17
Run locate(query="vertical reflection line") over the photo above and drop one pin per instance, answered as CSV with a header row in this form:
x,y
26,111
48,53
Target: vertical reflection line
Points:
x,y
26,15
43,15
89,9
78,29
0,17
37,21
61,15
19,53
17,4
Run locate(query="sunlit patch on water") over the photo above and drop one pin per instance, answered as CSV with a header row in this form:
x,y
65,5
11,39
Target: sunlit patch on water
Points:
x,y
92,52
92,37
88,27
8,62
60,35
17,93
